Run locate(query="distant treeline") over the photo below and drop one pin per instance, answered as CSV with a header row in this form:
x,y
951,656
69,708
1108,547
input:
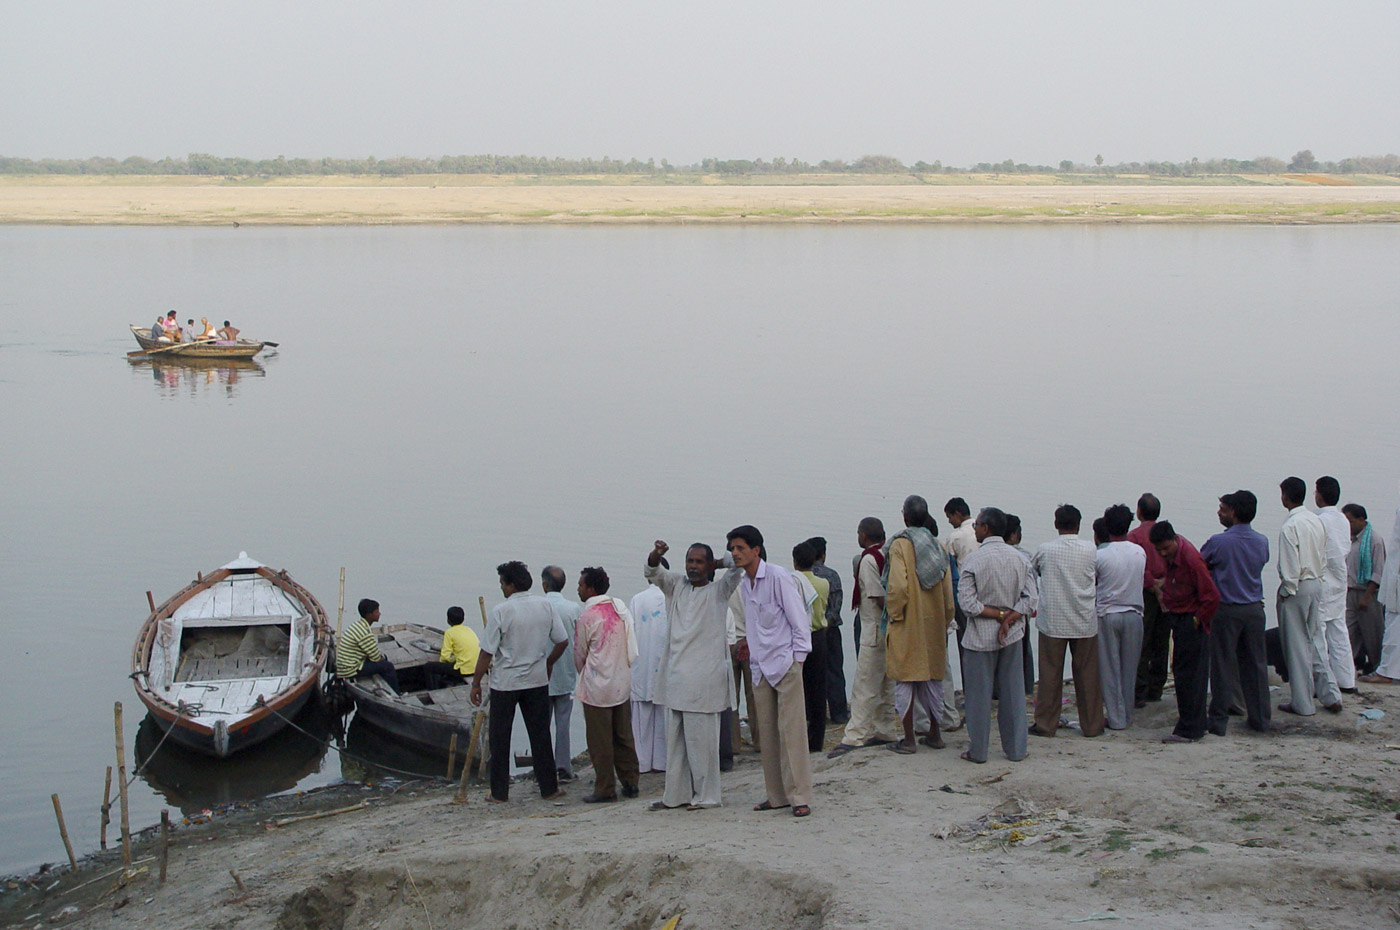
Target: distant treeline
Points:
x,y
213,165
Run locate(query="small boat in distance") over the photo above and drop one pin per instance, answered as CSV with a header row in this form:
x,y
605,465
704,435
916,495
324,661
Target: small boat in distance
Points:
x,y
229,659
421,717
205,348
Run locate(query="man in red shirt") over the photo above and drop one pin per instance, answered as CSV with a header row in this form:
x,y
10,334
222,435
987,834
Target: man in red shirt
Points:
x,y
1156,631
1189,600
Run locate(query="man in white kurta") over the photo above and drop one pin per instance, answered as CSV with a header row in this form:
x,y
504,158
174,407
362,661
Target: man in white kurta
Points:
x,y
648,717
873,721
1327,492
694,678
1388,672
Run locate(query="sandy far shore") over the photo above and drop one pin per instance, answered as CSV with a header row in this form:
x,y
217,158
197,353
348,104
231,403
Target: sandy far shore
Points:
x,y
79,203
1292,830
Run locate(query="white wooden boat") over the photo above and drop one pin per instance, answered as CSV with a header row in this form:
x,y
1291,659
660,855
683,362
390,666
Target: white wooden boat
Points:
x,y
420,717
226,661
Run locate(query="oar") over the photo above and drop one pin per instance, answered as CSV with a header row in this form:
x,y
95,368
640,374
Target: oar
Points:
x,y
173,345
271,345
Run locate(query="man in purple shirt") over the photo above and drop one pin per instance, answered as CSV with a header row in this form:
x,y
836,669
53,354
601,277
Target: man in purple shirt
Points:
x,y
779,630
1236,559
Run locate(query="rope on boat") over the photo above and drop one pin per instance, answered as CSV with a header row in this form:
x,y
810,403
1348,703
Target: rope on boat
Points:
x,y
179,712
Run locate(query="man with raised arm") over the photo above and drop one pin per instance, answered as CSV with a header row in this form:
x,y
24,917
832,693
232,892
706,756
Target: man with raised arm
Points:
x,y
694,678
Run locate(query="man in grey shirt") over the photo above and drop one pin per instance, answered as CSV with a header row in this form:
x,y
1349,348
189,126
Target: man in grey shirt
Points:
x,y
1067,621
996,589
524,637
564,678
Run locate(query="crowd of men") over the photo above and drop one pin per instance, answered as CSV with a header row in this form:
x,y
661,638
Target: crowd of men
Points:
x,y
661,679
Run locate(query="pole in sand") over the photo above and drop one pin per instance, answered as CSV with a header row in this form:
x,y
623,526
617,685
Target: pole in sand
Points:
x,y
121,790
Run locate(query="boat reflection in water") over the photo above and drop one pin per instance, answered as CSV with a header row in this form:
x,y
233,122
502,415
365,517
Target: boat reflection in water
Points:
x,y
194,376
192,781
374,755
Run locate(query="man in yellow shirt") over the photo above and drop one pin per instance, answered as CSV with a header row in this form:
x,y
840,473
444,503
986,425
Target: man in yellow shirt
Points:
x,y
460,649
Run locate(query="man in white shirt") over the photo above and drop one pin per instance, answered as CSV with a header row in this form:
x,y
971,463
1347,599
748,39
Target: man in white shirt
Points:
x,y
524,638
873,721
1327,493
1302,560
1119,568
648,611
1067,620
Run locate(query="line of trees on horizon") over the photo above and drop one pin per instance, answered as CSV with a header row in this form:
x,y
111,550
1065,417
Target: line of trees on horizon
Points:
x,y
200,164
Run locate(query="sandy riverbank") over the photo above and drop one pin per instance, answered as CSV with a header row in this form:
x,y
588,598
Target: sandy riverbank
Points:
x,y
1294,830
176,201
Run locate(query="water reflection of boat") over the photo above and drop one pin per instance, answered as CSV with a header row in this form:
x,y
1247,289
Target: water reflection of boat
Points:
x,y
423,718
193,782
229,658
213,348
373,754
171,374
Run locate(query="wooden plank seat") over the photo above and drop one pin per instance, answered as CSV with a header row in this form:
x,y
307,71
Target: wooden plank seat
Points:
x,y
229,668
455,698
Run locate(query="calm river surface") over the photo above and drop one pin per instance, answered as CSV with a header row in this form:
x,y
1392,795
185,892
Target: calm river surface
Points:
x,y
445,399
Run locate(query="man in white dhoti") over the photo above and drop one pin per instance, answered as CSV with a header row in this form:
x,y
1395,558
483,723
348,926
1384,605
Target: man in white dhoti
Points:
x,y
1327,493
694,678
648,717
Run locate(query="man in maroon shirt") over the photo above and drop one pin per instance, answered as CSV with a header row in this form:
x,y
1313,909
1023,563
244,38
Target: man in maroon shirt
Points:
x,y
1156,631
1189,600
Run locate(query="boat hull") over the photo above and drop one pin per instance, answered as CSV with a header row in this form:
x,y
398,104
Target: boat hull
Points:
x,y
215,350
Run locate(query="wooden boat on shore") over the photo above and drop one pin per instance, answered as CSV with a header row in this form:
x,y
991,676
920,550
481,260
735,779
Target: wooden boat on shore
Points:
x,y
208,348
421,717
226,661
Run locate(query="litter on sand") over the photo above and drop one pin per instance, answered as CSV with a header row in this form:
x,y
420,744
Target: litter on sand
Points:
x,y
1014,822
1371,713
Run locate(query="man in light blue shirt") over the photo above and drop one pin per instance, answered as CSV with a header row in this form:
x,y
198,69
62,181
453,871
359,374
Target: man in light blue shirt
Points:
x,y
564,678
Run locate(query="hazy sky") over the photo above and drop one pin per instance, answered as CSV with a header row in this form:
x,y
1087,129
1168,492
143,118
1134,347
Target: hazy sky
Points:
x,y
961,82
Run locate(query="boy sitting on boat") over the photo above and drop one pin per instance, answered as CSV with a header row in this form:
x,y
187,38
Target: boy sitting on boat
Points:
x,y
357,652
460,649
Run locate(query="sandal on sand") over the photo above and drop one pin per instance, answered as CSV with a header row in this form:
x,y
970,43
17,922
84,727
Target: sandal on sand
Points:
x,y
768,806
660,806
840,750
900,748
1376,679
967,757
933,743
492,799
801,810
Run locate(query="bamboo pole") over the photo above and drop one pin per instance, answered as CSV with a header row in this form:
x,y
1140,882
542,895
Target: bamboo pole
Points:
x,y
106,808
151,600
164,842
481,602
238,881
121,789
63,832
451,756
340,611
472,745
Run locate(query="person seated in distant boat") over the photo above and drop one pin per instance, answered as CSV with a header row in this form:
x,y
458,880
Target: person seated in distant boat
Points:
x,y
229,332
172,327
460,649
187,332
357,652
158,329
209,331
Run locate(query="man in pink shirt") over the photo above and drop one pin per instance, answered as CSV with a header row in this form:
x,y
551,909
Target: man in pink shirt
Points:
x,y
604,649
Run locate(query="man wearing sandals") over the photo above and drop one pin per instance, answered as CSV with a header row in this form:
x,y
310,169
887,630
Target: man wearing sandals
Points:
x,y
780,638
919,605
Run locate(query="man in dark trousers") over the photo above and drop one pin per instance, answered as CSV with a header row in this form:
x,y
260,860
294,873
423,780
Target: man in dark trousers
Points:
x,y
1189,601
1236,559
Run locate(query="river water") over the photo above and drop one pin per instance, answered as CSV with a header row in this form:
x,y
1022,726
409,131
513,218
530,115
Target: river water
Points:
x,y
445,399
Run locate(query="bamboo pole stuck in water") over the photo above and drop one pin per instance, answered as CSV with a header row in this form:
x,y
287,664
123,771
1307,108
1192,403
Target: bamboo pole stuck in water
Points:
x,y
151,600
63,832
451,756
121,789
106,808
164,842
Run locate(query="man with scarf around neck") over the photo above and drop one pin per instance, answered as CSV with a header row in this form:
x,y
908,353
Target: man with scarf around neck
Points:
x,y
778,624
1365,568
997,591
605,646
1067,620
919,608
872,720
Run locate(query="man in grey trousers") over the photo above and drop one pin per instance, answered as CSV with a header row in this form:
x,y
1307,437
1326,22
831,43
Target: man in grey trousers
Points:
x,y
1302,559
